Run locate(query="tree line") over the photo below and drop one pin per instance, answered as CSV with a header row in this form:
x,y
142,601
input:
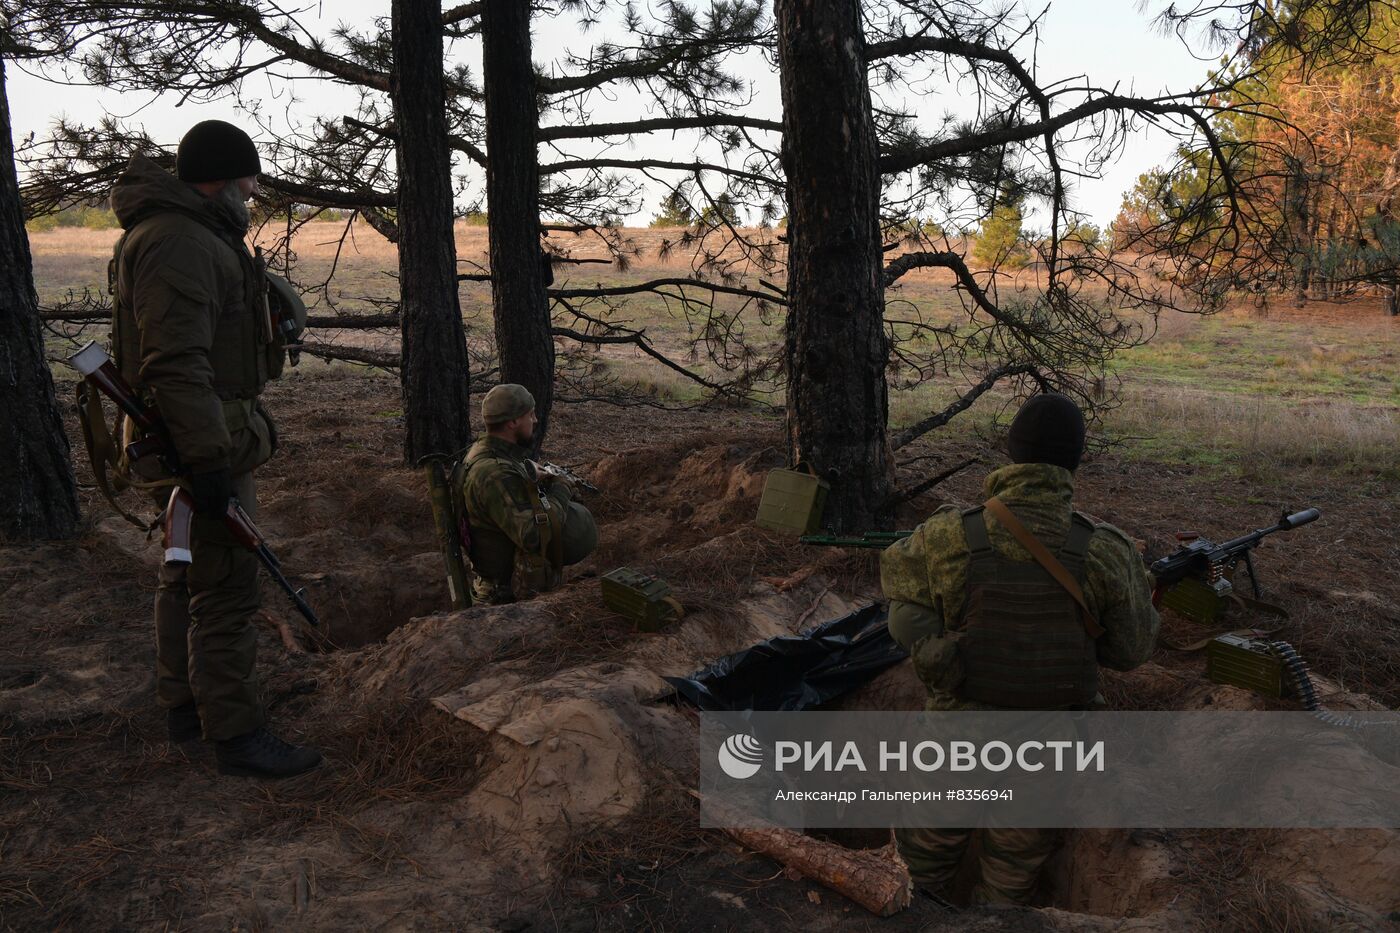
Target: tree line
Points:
x,y
1316,141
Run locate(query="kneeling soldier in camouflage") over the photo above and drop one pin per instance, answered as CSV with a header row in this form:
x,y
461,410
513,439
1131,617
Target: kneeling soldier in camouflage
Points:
x,y
514,512
965,587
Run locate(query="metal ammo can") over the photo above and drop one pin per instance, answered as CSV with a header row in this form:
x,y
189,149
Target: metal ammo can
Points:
x,y
647,601
793,501
1245,662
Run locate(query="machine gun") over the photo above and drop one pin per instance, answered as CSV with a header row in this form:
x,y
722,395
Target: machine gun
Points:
x,y
1195,579
98,370
876,540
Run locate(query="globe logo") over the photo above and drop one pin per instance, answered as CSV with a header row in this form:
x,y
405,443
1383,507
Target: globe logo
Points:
x,y
741,756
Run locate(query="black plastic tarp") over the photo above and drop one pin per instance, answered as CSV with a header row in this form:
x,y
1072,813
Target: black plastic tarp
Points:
x,y
797,672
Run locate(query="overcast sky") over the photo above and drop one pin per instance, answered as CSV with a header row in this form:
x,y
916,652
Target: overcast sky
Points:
x,y
1112,43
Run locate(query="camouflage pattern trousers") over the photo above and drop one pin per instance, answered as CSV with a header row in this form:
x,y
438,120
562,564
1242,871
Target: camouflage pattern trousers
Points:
x,y
1009,865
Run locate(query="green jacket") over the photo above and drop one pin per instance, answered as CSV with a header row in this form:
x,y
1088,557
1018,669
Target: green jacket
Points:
x,y
508,518
925,577
187,330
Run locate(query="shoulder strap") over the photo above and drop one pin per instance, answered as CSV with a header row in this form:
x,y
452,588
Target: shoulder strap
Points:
x,y
979,545
1047,560
1076,547
550,523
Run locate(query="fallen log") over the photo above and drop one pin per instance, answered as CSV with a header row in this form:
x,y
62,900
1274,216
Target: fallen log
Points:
x,y
899,498
318,321
353,355
876,879
352,321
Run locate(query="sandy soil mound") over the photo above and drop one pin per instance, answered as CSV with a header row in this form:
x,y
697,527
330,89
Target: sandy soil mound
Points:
x,y
579,746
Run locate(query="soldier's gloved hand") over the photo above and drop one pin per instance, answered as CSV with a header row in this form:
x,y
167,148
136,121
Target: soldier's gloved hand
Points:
x,y
211,492
556,481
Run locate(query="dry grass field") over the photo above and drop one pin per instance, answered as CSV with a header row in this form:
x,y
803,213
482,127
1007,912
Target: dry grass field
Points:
x,y
1261,387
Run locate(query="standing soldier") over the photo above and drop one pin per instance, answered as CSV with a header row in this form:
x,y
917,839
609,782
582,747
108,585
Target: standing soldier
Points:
x,y
514,513
191,332
966,586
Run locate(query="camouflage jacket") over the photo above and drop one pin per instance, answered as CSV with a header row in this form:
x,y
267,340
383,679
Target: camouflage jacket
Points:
x,y
925,577
510,516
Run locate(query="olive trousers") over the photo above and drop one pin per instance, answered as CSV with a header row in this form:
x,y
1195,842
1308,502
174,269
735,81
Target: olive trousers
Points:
x,y
206,644
1009,865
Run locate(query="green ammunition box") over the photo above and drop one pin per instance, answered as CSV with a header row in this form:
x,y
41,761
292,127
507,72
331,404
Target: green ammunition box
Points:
x,y
645,600
1196,601
1245,662
792,502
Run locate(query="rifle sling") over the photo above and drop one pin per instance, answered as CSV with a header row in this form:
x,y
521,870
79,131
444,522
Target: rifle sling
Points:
x,y
101,450
1045,559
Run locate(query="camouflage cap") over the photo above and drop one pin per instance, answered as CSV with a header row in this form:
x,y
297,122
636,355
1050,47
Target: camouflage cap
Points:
x,y
506,402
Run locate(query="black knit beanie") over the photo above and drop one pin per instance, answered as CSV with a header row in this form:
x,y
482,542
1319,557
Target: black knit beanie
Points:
x,y
216,151
1049,428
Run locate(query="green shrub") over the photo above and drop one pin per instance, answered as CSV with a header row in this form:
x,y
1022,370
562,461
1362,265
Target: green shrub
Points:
x,y
999,241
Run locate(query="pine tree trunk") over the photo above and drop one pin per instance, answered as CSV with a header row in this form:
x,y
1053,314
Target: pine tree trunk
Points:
x,y
436,398
1326,279
518,299
38,499
837,348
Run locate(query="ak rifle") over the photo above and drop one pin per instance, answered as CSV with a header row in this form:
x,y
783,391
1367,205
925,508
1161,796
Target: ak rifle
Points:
x,y
97,369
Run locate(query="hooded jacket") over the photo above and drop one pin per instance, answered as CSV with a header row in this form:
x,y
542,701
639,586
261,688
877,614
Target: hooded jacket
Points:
x,y
185,331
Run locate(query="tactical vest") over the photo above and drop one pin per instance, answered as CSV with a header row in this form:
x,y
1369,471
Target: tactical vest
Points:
x,y
1025,642
247,351
491,553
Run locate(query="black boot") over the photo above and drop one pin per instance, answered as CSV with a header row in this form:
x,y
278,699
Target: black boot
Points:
x,y
262,754
182,723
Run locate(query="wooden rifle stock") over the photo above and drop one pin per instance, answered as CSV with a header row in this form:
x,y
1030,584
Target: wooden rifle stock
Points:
x,y
93,363
97,368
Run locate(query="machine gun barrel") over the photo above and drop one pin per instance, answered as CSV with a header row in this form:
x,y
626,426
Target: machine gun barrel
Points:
x,y
545,468
1286,523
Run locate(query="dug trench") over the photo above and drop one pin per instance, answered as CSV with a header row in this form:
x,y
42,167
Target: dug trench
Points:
x,y
509,768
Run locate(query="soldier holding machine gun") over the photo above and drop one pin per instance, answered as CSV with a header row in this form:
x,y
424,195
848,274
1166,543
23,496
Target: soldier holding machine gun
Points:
x,y
195,337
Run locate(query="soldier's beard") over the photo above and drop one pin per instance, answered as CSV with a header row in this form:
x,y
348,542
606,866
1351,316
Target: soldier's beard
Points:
x,y
232,199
